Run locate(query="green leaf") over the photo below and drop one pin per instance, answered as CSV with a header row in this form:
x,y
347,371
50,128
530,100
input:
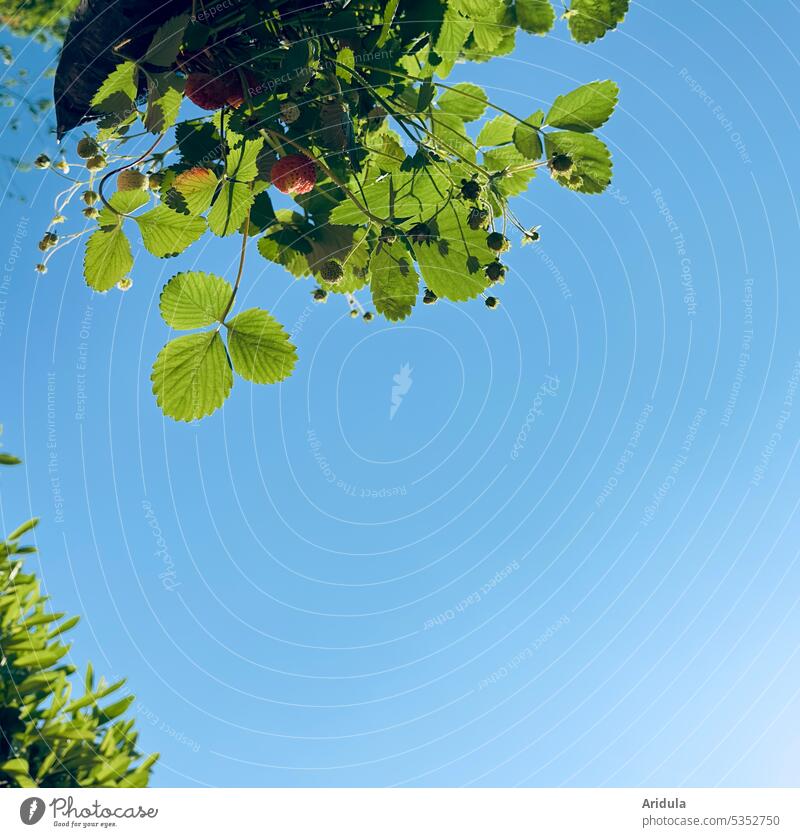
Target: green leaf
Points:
x,y
118,92
192,191
194,300
535,16
405,195
230,208
585,108
589,20
41,659
450,129
192,376
259,347
198,142
347,58
388,18
108,258
241,163
452,261
124,203
527,139
450,43
393,281
166,233
498,130
591,160
114,710
21,530
166,43
7,459
164,97
507,157
465,100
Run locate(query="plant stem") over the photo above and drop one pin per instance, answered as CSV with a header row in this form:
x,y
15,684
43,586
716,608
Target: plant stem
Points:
x,y
122,168
239,272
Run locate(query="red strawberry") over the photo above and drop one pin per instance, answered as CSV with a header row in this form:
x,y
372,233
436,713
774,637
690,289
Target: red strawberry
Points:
x,y
207,91
294,175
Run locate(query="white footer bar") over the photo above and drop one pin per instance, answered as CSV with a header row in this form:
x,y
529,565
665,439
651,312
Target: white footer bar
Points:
x,y
490,812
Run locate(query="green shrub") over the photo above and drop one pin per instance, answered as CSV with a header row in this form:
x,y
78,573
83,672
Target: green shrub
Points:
x,y
50,737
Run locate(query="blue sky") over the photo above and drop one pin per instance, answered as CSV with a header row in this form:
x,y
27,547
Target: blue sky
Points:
x,y
567,558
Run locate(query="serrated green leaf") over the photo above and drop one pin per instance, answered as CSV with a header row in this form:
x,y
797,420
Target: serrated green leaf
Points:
x,y
393,281
124,202
192,191
166,233
230,208
497,131
259,347
118,92
241,163
107,259
164,97
535,16
527,139
405,195
194,300
452,36
589,20
466,101
507,159
585,108
192,376
452,261
591,160
166,43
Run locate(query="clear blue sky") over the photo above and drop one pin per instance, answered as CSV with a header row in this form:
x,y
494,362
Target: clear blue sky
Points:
x,y
569,557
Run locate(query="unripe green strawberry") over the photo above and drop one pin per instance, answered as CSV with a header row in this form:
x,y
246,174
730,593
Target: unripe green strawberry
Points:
x,y
367,316
331,271
89,197
492,302
87,148
91,212
497,241
155,180
353,313
42,162
131,180
96,163
319,295
430,297
41,268
290,113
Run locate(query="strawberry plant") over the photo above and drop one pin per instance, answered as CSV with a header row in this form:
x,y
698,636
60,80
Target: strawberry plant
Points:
x,y
401,181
